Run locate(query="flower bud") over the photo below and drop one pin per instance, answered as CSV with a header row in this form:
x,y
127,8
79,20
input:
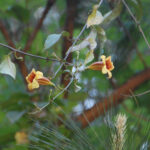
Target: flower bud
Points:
x,y
44,81
96,66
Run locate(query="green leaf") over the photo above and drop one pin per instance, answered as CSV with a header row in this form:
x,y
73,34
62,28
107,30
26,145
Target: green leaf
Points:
x,y
81,96
8,67
89,57
51,40
95,17
65,34
77,88
19,13
13,116
40,105
4,5
90,41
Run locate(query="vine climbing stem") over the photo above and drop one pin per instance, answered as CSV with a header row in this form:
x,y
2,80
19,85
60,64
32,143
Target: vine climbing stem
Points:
x,y
69,50
137,23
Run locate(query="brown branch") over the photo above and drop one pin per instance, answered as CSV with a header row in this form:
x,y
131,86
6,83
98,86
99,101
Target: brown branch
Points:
x,y
39,25
118,95
69,27
114,99
6,34
21,64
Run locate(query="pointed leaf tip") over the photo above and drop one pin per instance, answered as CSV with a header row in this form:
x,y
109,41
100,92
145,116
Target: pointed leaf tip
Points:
x,y
51,40
95,17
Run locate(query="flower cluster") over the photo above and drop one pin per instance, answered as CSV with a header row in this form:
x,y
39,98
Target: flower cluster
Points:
x,y
106,65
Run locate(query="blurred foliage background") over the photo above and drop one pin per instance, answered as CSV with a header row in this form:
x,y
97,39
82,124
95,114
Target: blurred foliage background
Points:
x,y
53,127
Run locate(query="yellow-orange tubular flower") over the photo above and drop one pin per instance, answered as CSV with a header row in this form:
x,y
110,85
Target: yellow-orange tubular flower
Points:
x,y
21,137
106,66
36,78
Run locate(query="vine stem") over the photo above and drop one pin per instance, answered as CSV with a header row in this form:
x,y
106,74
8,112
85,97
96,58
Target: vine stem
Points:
x,y
138,95
64,89
40,109
69,50
101,1
137,23
31,55
67,54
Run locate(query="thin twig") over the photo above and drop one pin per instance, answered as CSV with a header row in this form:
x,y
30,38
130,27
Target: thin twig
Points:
x,y
134,114
31,55
137,23
101,1
64,89
137,95
51,100
114,99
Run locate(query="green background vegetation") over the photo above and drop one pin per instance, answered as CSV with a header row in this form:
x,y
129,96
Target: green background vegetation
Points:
x,y
53,127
